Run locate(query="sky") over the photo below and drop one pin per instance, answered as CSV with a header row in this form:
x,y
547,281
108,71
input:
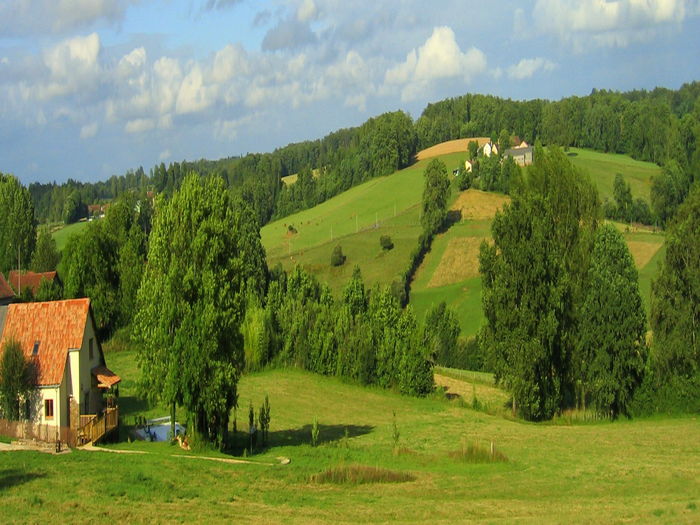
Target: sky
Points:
x,y
93,88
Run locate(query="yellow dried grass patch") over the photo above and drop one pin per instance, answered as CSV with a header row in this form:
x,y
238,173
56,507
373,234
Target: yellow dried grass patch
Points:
x,y
479,205
642,252
459,262
451,146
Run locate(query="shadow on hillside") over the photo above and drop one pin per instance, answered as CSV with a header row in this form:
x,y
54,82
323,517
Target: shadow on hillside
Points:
x,y
13,477
326,434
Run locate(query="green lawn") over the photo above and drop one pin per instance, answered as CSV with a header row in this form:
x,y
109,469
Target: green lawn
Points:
x,y
643,470
602,168
62,235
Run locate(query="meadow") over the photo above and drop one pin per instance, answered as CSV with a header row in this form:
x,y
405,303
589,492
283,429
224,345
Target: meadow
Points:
x,y
602,168
62,234
440,468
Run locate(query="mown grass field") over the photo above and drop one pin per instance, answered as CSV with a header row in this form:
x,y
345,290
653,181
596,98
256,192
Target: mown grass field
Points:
x,y
355,219
642,470
62,235
602,168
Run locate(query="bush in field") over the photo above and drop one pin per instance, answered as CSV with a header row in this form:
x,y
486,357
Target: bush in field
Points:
x,y
337,257
386,243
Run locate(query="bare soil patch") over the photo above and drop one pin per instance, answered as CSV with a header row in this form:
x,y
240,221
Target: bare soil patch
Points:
x,y
459,262
451,146
643,251
479,205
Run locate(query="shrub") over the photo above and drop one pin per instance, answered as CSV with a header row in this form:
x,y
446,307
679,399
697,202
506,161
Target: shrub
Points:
x,y
386,243
337,257
359,474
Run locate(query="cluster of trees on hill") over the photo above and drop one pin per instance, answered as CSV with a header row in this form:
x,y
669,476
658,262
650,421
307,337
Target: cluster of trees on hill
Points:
x,y
364,336
660,126
565,325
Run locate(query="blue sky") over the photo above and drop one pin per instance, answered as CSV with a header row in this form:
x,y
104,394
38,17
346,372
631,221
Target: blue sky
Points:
x,y
91,88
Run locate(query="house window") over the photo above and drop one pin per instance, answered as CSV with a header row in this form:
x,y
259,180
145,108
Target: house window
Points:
x,y
35,350
90,346
48,409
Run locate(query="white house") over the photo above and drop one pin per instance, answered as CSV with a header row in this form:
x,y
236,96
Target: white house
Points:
x,y
490,149
71,376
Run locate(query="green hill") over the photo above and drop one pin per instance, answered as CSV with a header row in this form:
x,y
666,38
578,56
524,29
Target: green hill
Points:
x,y
390,206
602,168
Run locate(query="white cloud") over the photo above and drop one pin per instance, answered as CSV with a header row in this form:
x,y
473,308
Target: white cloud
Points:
x,y
440,57
589,24
88,130
165,155
529,66
73,65
194,95
307,11
139,125
229,62
4,60
38,17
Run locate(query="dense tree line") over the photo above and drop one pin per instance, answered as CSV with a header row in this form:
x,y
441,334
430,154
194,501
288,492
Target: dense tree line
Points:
x,y
364,336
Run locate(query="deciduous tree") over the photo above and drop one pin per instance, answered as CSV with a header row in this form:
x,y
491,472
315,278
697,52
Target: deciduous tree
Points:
x,y
204,257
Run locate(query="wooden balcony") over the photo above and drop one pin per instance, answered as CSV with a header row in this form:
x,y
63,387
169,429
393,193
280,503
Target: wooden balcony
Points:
x,y
95,427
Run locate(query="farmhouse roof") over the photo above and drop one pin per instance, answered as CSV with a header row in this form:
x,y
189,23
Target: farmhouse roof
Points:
x,y
105,377
6,291
46,331
30,280
514,152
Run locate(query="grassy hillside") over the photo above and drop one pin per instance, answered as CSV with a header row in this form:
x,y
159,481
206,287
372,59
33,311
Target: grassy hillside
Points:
x,y
450,271
355,219
602,168
65,232
603,472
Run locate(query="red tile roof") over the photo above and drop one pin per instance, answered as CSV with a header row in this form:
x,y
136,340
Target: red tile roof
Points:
x,y
56,325
5,291
105,377
29,279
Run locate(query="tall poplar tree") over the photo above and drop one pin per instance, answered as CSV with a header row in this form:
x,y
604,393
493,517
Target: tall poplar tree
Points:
x,y
204,257
17,225
611,347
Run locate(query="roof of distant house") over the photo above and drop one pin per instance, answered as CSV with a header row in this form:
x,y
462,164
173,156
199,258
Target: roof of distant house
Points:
x,y
6,290
30,280
514,152
46,331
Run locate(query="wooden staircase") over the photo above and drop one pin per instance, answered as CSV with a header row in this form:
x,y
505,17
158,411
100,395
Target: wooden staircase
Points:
x,y
94,427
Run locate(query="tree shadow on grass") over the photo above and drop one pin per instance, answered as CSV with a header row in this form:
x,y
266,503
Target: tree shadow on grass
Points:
x,y
326,434
132,405
452,218
13,477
